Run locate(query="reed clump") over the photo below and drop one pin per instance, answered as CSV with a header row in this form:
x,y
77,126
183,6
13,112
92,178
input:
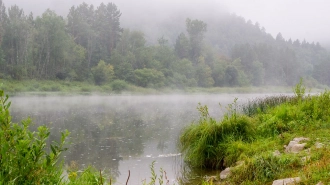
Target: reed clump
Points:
x,y
205,144
261,105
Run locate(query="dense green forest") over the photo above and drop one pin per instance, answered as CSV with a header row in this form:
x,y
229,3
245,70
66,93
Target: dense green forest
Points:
x,y
90,45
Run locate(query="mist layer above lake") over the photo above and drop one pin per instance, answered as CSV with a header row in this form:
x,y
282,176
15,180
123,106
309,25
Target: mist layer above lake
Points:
x,y
121,133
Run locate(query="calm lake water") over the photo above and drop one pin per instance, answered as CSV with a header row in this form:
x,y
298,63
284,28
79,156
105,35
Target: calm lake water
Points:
x,y
121,133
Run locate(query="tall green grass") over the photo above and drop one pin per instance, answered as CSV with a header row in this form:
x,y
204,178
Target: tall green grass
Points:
x,y
62,87
250,135
205,144
261,105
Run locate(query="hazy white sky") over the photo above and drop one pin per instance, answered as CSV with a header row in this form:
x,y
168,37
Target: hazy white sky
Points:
x,y
300,19
296,19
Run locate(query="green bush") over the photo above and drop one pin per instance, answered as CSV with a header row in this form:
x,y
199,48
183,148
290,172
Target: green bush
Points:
x,y
25,158
119,85
55,87
263,168
35,85
102,73
45,88
85,89
149,78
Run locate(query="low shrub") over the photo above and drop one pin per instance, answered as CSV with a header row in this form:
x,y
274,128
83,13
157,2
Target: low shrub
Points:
x,y
45,88
85,89
55,88
24,159
119,85
263,168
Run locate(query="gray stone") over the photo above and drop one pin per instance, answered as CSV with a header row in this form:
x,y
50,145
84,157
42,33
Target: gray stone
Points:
x,y
294,146
276,153
319,145
288,181
225,173
299,139
306,159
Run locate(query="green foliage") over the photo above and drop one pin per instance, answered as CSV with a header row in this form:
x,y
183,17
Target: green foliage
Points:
x,y
299,90
205,144
153,177
184,67
218,74
51,46
149,77
182,46
204,74
102,73
231,76
258,73
263,168
196,29
87,176
246,142
261,105
24,159
119,85
162,178
70,48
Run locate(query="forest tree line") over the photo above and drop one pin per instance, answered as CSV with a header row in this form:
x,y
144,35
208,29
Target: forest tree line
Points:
x,y
90,45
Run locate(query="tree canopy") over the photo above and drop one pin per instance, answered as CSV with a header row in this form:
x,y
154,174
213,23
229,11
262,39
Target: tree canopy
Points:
x,y
90,45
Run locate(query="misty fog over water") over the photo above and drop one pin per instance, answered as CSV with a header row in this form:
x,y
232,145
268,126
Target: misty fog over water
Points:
x,y
122,133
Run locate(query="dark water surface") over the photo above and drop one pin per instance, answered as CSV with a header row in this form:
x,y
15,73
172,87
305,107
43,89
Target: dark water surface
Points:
x,y
121,133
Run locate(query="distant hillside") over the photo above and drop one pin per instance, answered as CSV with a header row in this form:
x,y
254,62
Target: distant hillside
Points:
x,y
283,61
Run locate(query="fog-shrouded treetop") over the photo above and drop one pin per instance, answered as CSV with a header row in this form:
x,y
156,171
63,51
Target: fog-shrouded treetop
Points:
x,y
154,44
296,19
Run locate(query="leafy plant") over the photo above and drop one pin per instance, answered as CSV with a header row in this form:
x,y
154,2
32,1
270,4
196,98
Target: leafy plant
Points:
x,y
299,90
153,179
23,156
119,85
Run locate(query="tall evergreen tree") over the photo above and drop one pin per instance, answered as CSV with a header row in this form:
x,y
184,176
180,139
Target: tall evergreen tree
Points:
x,y
196,30
182,46
80,25
107,26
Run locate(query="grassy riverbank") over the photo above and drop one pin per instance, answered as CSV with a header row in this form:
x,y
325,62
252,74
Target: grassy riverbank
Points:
x,y
45,87
251,139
